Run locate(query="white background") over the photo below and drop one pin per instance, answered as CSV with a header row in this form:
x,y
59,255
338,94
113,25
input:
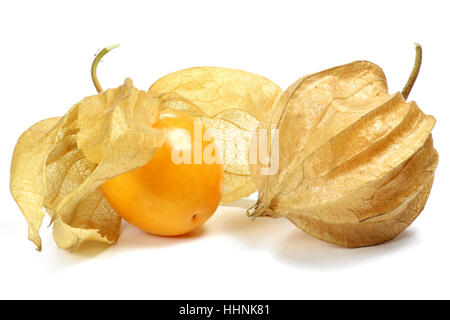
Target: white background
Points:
x,y
46,51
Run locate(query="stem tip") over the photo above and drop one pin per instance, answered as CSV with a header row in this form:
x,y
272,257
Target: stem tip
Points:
x,y
414,73
97,59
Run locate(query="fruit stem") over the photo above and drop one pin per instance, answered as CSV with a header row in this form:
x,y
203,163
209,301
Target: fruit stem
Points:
x,y
414,73
97,59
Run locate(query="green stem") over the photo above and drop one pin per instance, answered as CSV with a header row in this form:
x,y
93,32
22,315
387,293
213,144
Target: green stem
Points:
x,y
414,73
97,59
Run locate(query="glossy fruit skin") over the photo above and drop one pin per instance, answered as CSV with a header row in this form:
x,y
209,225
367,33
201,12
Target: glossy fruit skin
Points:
x,y
165,198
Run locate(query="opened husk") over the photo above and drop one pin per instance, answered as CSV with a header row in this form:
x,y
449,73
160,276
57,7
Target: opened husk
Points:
x,y
356,164
60,163
231,103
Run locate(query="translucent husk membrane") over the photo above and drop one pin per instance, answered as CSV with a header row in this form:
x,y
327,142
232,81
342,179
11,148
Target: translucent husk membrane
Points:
x,y
59,164
231,103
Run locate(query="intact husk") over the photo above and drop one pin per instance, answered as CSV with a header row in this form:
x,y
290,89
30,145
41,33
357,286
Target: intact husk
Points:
x,y
356,164
231,103
60,163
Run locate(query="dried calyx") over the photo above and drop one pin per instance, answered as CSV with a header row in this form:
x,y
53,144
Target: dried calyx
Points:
x,y
59,164
356,164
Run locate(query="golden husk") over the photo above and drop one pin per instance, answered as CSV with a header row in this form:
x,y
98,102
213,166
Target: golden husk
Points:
x,y
356,164
60,163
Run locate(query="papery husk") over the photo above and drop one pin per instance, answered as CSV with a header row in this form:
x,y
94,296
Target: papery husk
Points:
x,y
356,164
60,163
231,103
